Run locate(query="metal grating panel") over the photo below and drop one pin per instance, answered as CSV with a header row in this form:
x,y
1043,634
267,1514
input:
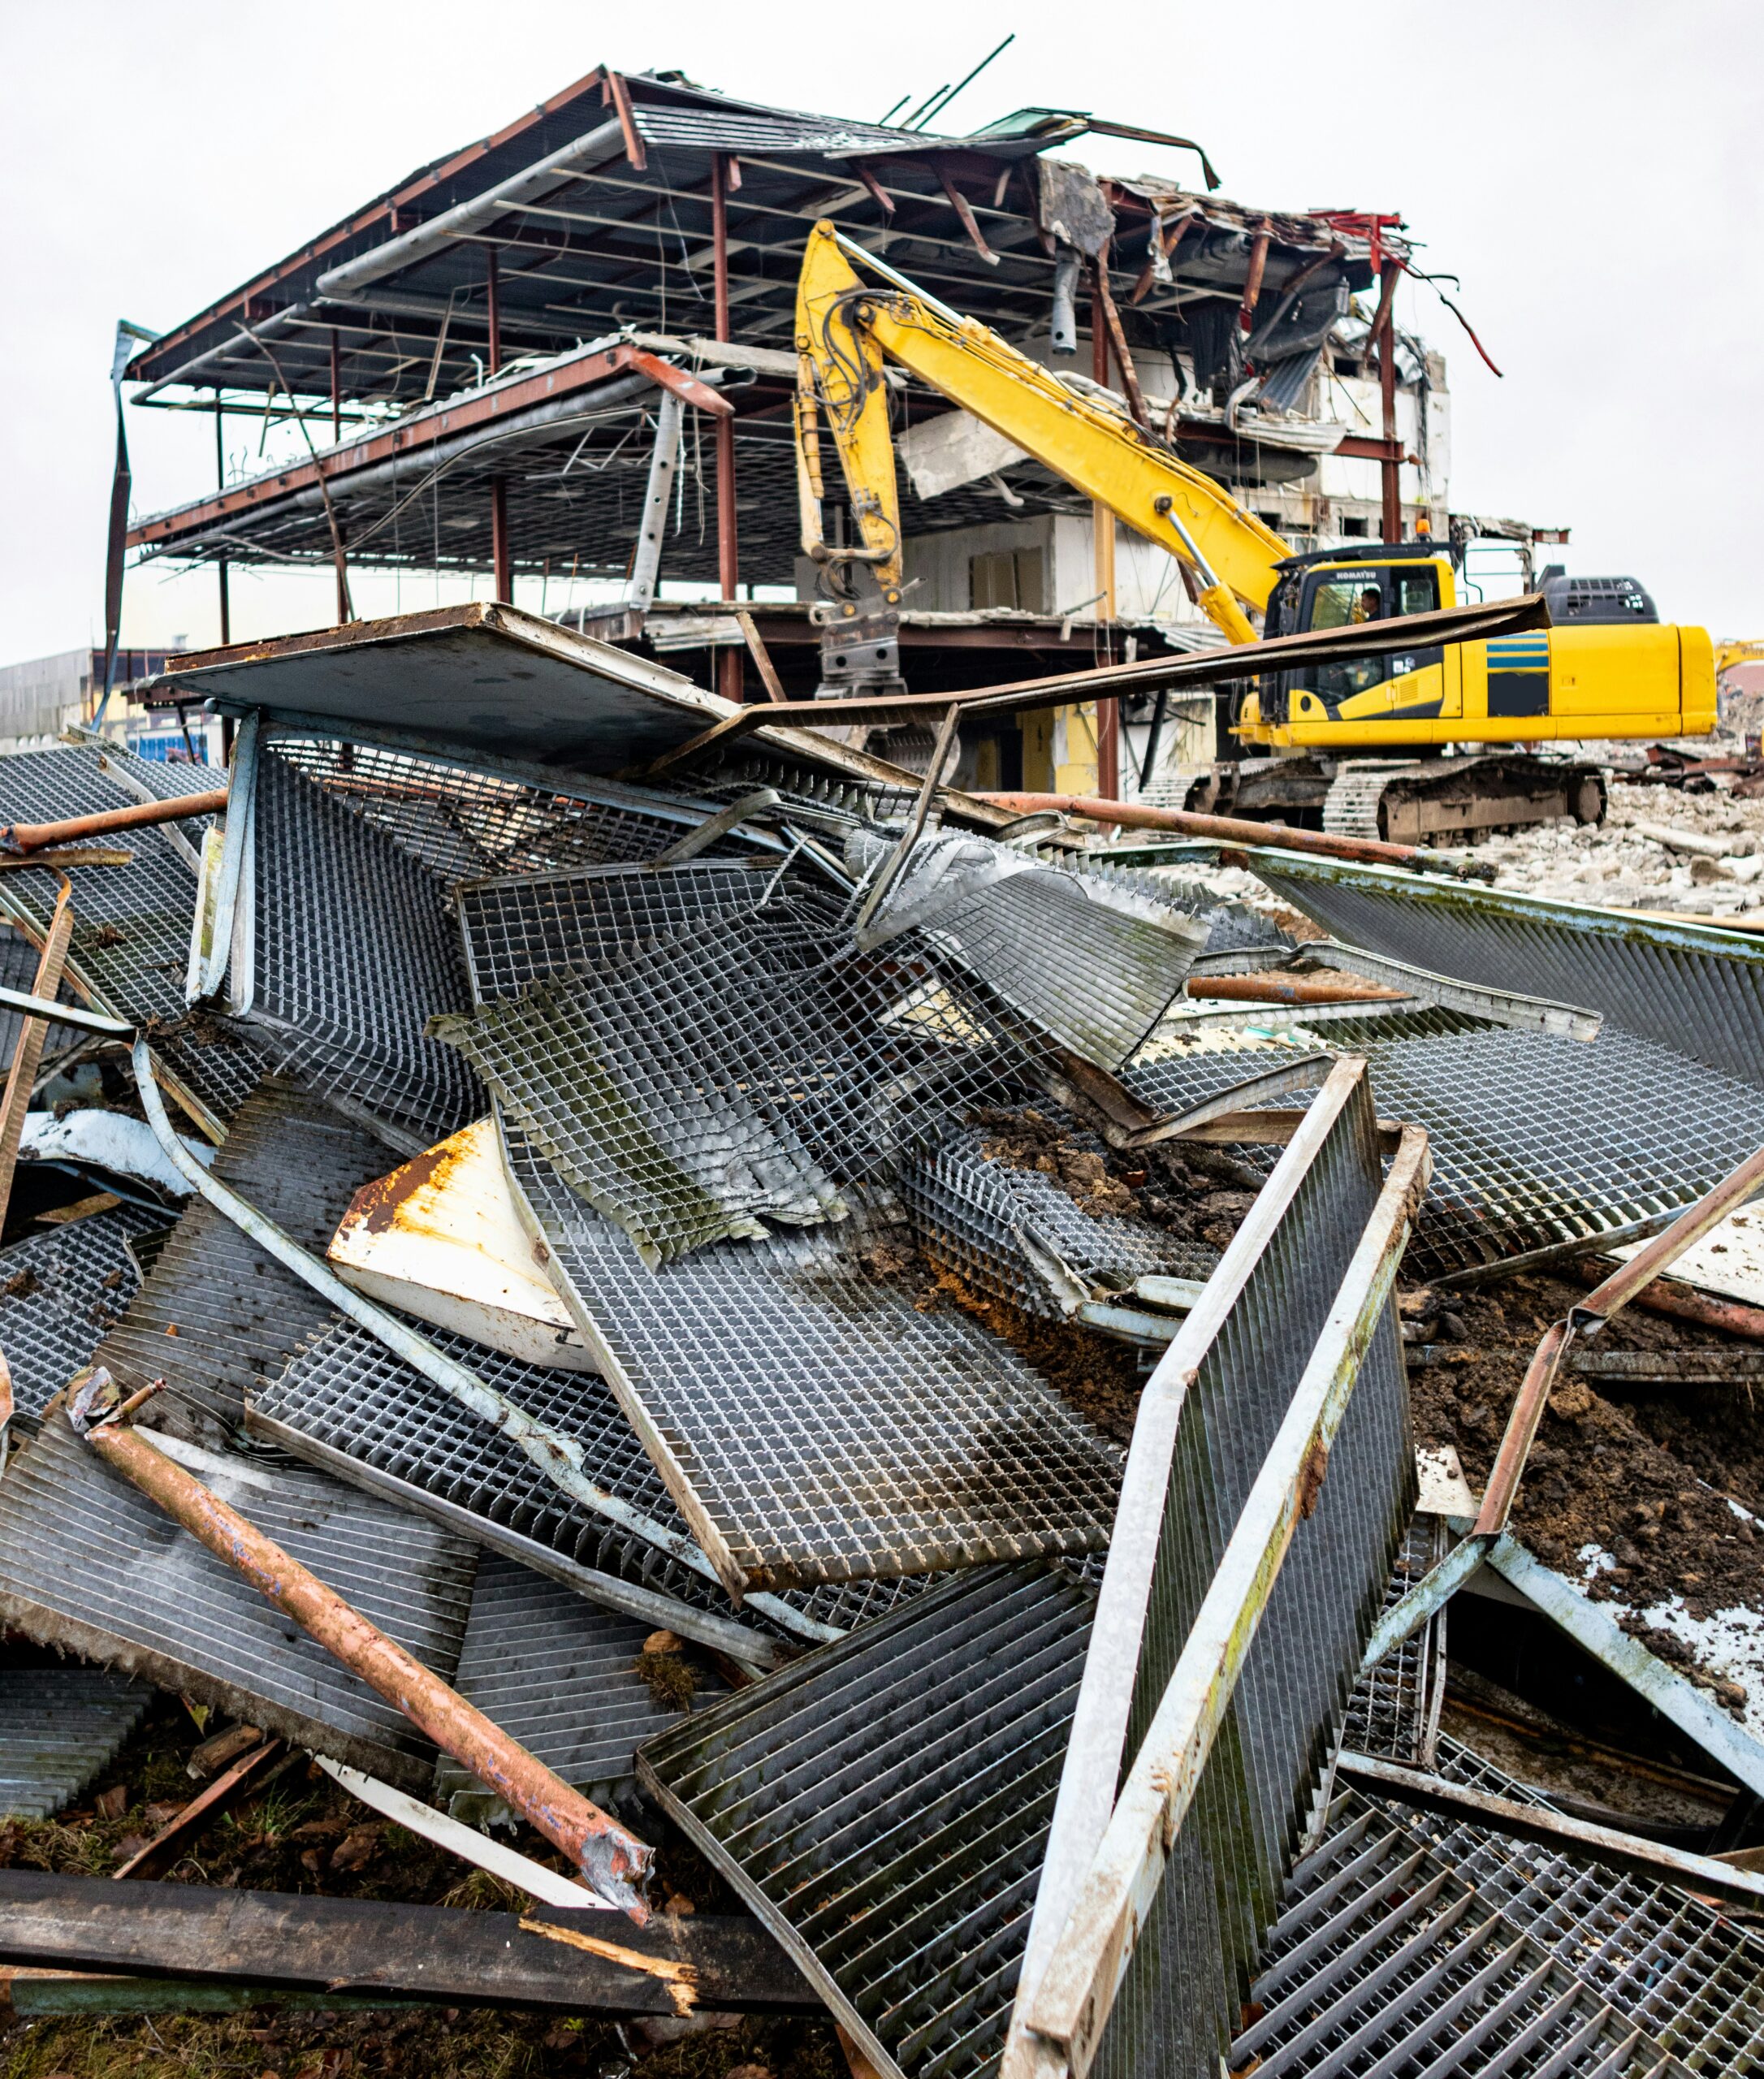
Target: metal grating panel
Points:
x,y
18,970
884,1805
558,1675
1393,1711
89,1563
130,941
1539,1142
60,1291
812,1424
1015,1235
525,928
1093,962
1388,1959
1684,1970
1299,1341
1690,987
218,1313
58,1727
747,1064
345,1392
460,821
354,948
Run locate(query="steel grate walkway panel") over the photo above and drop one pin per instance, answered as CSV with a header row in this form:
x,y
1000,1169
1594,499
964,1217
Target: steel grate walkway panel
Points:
x,y
748,1063
1682,1970
460,821
1385,1959
1539,1142
811,1423
130,941
1014,1235
58,1727
560,1676
521,929
884,1806
60,1291
345,1393
217,1312
1695,989
1095,963
354,948
1393,1711
89,1564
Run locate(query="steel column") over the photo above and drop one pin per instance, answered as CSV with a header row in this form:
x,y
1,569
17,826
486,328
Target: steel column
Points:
x,y
729,661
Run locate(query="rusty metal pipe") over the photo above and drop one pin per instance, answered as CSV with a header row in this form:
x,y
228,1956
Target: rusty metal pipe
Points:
x,y
1292,989
1665,1296
1222,829
612,1860
17,837
1624,1284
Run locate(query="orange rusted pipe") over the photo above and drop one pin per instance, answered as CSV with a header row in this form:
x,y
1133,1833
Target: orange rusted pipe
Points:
x,y
1222,829
610,1858
1292,989
17,837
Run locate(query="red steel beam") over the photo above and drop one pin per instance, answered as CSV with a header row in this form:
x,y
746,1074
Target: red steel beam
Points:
x,y
411,435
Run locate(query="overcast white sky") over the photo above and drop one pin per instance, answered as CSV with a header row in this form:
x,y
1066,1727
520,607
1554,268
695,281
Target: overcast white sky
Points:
x,y
1590,169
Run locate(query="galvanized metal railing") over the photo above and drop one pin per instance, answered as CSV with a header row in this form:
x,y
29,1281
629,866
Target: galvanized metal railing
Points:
x,y
1269,1484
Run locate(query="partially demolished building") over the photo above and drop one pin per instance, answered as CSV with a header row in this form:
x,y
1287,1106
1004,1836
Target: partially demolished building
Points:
x,y
505,361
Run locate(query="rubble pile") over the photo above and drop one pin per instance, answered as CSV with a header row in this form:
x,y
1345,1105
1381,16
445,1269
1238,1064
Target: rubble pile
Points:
x,y
664,1389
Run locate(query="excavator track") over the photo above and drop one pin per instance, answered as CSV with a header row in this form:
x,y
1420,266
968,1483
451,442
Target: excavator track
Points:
x,y
1435,799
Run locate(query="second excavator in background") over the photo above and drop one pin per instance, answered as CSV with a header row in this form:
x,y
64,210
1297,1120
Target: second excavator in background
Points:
x,y
1360,747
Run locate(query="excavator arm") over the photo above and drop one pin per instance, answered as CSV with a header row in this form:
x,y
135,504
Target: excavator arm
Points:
x,y
844,331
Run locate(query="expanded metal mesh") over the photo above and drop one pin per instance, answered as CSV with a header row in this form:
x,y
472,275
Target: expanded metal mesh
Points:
x,y
131,941
1092,962
346,1392
58,1727
1014,1235
460,821
217,1312
354,948
1179,1999
883,1808
1393,1712
749,1063
60,1291
88,1563
1668,1963
559,1676
1697,990
1387,1958
815,1421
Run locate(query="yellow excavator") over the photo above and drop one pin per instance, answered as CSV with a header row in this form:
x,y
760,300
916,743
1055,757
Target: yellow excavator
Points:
x,y
1607,669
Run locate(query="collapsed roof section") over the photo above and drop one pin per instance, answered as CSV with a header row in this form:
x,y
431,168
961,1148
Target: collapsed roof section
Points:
x,y
503,328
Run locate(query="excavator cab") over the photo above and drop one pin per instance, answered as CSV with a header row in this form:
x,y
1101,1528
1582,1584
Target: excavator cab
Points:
x,y
1339,588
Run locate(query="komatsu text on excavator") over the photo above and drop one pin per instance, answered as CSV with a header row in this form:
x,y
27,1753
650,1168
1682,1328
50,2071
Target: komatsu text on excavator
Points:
x,y
1609,670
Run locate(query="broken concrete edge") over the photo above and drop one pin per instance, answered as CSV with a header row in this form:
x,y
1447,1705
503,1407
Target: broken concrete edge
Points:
x,y
359,1947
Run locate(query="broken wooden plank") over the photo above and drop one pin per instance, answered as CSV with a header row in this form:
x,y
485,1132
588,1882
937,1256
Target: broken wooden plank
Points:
x,y
548,1958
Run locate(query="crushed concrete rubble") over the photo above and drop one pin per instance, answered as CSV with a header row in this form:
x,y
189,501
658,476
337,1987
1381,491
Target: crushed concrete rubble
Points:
x,y
711,1370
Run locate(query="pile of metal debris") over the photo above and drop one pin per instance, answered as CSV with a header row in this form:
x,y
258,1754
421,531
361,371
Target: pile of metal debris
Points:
x,y
813,1378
